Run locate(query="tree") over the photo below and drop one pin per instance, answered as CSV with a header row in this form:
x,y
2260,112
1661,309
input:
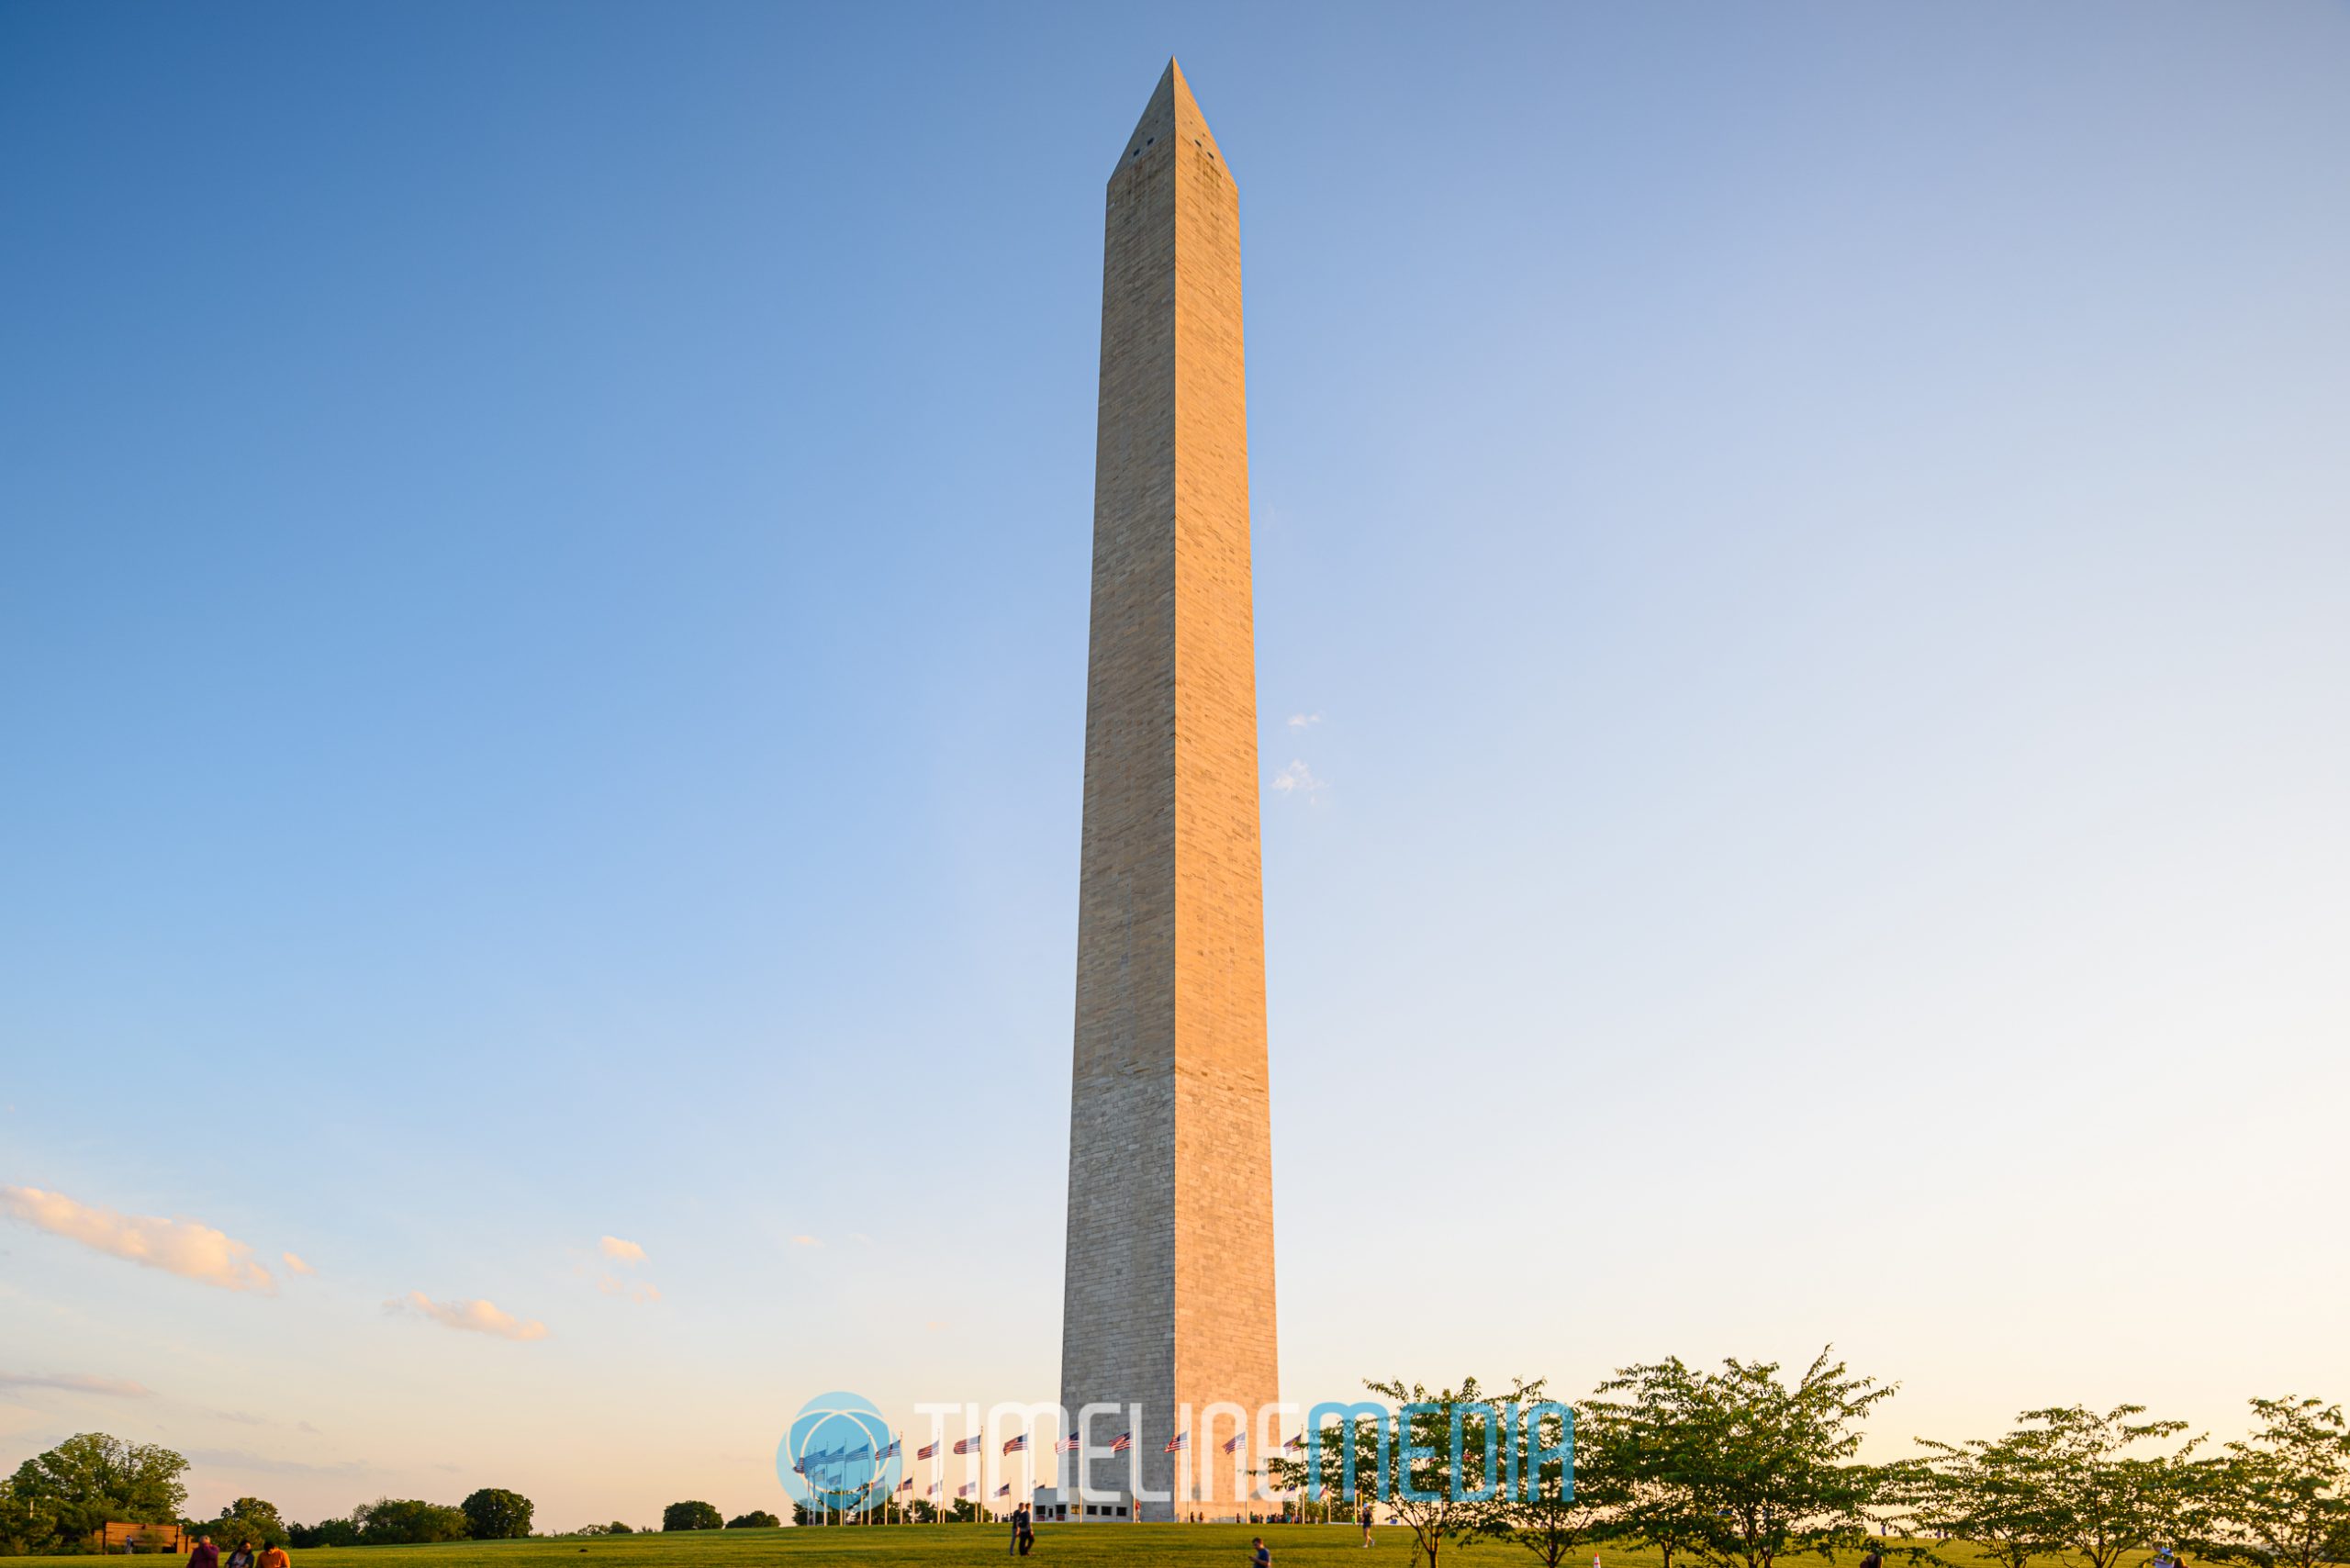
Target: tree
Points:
x,y
251,1518
495,1514
2065,1485
1408,1464
407,1521
57,1497
1646,1422
2283,1495
691,1516
1556,1520
1986,1492
758,1518
1735,1468
326,1532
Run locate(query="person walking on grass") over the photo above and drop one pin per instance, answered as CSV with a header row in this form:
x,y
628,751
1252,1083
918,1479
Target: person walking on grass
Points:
x,y
1027,1530
1366,1524
1264,1557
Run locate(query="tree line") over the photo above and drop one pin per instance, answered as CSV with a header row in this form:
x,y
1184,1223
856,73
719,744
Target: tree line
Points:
x,y
1741,1465
54,1502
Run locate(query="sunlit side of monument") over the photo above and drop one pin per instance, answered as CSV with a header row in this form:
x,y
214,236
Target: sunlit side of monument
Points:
x,y
1168,1297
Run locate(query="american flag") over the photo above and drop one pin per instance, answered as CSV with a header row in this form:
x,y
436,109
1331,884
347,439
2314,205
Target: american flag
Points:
x,y
907,1484
933,1488
1179,1442
860,1453
1122,1442
1065,1444
800,1465
896,1446
1016,1445
966,1445
1239,1440
927,1453
965,1489
1004,1490
1296,1442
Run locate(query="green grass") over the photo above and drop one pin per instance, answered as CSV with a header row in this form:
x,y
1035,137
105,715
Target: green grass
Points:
x,y
1057,1546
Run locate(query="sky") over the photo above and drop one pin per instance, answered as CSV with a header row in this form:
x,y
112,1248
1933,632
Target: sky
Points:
x,y
1803,590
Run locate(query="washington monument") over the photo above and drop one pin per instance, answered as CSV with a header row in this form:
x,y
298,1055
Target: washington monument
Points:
x,y
1167,1302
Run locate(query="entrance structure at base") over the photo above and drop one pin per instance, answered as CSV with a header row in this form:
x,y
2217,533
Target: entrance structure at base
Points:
x,y
1167,1301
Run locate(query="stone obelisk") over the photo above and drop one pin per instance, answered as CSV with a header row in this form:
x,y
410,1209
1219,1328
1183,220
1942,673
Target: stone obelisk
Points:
x,y
1168,1302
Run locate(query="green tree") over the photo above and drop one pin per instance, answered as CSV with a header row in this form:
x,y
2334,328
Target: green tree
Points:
x,y
758,1518
1409,1467
1987,1492
1551,1519
691,1516
1738,1468
57,1497
495,1514
251,1518
2283,1495
1646,1417
2073,1484
326,1532
407,1521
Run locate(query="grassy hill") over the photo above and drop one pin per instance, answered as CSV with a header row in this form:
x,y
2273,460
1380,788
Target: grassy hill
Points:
x,y
1057,1546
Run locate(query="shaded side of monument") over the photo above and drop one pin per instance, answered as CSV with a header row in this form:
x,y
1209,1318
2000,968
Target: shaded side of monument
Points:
x,y
1168,1295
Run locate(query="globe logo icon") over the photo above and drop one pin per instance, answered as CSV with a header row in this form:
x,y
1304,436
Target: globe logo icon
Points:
x,y
838,1456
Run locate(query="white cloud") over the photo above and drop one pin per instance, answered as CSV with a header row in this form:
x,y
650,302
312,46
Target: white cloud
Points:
x,y
77,1383
646,1293
1303,721
805,1241
1298,779
623,1251
294,1265
475,1316
181,1246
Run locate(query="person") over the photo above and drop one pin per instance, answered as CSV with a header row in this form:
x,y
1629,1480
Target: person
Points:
x,y
244,1556
205,1554
1027,1530
1366,1524
1873,1560
1264,1558
273,1557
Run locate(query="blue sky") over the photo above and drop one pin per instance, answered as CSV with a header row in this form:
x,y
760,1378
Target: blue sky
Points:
x,y
1803,576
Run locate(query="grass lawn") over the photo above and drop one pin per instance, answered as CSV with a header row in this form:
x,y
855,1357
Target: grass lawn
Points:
x,y
1057,1545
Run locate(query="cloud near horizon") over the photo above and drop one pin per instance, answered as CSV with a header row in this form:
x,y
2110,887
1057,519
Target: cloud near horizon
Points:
x,y
477,1316
78,1382
622,1251
294,1265
183,1246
